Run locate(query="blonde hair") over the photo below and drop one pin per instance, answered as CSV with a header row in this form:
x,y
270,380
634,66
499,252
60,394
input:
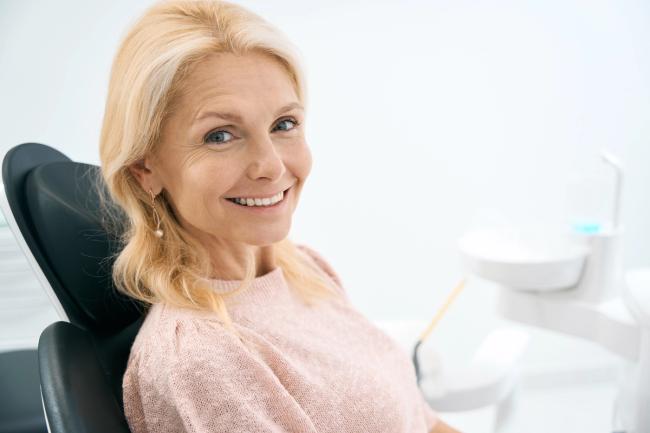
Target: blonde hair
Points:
x,y
147,76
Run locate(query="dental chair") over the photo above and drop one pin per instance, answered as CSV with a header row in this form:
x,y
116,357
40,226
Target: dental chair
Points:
x,y
20,410
53,207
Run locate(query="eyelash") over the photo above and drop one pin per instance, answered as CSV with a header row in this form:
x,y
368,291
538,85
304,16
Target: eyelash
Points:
x,y
291,119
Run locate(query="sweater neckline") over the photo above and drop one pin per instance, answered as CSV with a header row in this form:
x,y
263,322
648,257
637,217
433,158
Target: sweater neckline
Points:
x,y
272,280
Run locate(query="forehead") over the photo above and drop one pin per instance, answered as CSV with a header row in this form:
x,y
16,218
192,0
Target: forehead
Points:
x,y
228,77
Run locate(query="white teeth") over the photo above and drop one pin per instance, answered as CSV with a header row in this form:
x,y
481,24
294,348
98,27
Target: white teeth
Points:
x,y
260,201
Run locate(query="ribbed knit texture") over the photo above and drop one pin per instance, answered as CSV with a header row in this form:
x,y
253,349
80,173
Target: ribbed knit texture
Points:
x,y
323,369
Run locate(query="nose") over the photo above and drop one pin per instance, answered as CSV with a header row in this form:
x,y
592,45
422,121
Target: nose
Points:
x,y
265,161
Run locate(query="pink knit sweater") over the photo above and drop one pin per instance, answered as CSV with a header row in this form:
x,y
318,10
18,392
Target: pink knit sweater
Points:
x,y
323,369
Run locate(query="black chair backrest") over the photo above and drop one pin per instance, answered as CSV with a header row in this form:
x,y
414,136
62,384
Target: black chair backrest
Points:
x,y
56,206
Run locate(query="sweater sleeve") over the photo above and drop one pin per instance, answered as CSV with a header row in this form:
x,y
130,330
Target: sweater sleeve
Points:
x,y
430,416
210,382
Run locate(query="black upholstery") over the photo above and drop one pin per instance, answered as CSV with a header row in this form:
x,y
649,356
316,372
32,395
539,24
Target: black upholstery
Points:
x,y
57,208
20,411
75,386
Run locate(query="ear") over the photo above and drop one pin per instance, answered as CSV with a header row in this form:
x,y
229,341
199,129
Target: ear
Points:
x,y
146,175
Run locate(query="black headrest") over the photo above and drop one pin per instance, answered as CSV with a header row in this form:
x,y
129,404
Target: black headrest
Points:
x,y
64,226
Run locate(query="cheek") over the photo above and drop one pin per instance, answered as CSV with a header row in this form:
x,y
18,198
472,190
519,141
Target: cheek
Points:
x,y
200,186
300,161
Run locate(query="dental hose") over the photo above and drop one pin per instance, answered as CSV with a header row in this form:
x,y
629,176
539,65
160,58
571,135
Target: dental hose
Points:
x,y
436,318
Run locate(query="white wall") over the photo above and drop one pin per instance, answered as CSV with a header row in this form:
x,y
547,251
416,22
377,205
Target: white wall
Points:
x,y
425,119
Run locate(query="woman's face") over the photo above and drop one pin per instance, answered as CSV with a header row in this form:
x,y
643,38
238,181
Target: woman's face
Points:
x,y
233,157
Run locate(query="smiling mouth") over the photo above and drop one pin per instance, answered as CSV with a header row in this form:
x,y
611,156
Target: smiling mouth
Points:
x,y
259,202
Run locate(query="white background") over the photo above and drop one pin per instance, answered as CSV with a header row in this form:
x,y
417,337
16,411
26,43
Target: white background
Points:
x,y
425,119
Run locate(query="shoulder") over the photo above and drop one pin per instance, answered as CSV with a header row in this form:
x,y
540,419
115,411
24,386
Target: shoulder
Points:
x,y
185,362
184,356
320,262
173,340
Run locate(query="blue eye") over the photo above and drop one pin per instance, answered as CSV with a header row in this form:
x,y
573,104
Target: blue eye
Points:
x,y
217,136
221,136
295,123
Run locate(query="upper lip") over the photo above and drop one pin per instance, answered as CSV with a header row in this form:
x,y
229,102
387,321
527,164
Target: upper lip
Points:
x,y
258,195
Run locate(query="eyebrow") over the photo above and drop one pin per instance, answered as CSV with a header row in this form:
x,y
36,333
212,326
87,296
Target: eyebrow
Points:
x,y
234,117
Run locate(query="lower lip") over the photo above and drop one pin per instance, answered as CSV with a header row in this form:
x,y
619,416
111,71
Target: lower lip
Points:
x,y
263,209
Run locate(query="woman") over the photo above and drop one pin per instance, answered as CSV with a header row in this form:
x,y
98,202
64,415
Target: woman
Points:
x,y
203,148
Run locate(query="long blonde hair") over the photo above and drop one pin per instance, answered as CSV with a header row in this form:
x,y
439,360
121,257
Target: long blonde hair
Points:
x,y
146,78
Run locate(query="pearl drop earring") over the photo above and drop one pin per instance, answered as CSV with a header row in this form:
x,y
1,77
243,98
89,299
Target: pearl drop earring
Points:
x,y
158,232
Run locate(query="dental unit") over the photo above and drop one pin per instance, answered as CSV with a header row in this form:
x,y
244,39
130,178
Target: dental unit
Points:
x,y
574,283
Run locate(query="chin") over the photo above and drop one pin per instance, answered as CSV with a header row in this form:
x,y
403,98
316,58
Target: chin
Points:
x,y
269,237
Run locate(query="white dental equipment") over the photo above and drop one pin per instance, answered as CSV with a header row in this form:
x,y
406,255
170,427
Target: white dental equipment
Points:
x,y
490,377
574,283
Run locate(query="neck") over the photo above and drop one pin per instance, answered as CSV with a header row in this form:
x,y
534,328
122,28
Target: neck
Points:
x,y
230,261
